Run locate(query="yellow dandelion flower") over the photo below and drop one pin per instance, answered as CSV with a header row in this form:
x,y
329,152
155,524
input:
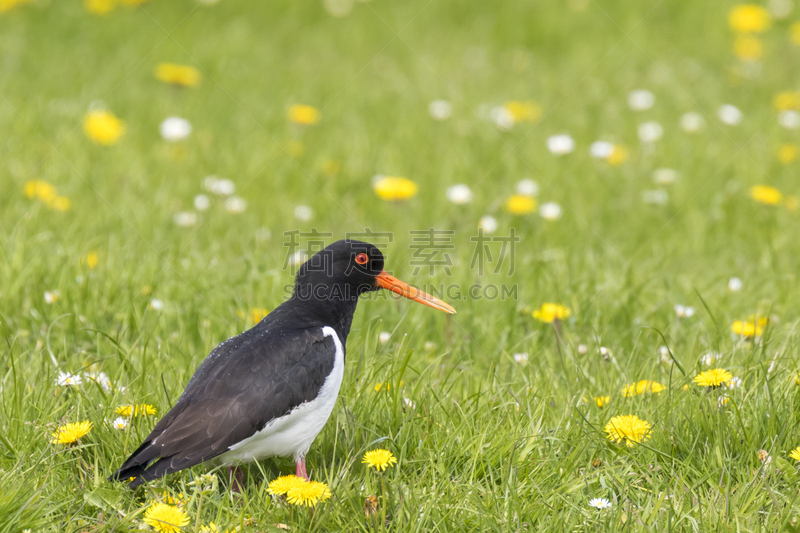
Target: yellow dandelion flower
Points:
x,y
395,188
40,189
602,401
523,111
132,2
641,387
308,493
140,410
748,48
713,378
786,101
305,115
103,127
619,154
282,485
168,498
550,312
749,18
628,429
794,33
795,454
787,153
764,194
91,260
255,314
8,5
175,74
166,518
379,459
518,204
99,7
70,433
797,379
749,328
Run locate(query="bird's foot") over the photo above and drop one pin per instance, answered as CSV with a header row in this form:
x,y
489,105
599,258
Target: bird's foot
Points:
x,y
301,468
236,476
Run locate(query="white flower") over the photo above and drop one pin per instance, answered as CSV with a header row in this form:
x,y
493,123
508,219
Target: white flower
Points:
x,y
722,400
430,346
175,129
583,349
601,149
120,423
65,379
606,353
201,202
384,337
502,118
408,403
599,503
735,284
664,356
234,204
560,144
684,311
51,297
185,219
220,186
488,224
729,114
789,119
527,187
303,213
735,383
156,304
521,357
665,176
101,378
298,258
780,8
550,211
459,194
710,358
650,132
440,109
641,100
656,197
692,122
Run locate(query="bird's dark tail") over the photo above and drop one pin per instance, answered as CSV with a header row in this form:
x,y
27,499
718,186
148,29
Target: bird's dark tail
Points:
x,y
140,466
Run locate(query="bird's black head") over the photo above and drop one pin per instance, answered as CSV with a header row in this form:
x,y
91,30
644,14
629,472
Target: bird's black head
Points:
x,y
341,272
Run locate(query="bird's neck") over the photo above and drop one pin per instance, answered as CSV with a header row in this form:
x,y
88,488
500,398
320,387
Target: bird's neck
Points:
x,y
326,305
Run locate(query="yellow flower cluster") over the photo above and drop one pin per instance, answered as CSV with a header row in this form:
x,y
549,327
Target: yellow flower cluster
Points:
x,y
305,115
748,329
523,111
166,518
795,454
254,315
298,491
628,429
102,127
395,188
764,194
379,459
519,204
70,433
602,401
641,387
181,75
102,7
139,410
713,378
47,193
749,18
550,312
8,5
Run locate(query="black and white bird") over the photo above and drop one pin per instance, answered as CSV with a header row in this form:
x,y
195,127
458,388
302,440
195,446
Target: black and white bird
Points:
x,y
269,391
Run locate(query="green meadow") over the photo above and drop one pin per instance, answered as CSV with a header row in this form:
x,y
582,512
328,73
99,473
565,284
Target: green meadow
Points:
x,y
644,157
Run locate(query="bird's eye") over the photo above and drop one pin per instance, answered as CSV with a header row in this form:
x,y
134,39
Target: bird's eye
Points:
x,y
362,259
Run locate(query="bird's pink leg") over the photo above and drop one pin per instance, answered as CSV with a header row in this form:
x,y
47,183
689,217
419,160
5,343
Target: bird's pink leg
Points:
x,y
237,479
301,468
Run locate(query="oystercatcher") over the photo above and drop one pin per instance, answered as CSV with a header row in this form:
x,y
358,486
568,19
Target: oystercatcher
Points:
x,y
269,391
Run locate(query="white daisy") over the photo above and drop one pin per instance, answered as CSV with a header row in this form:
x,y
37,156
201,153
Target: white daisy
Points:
x,y
599,503
684,311
488,224
220,186
201,202
550,211
664,357
120,423
650,132
303,213
459,194
692,122
729,114
601,149
527,187
185,219
502,118
156,304
641,100
789,119
560,144
51,297
234,204
735,284
65,379
440,109
175,129
735,383
430,346
521,358
101,378
384,337
583,349
665,176
710,358
780,9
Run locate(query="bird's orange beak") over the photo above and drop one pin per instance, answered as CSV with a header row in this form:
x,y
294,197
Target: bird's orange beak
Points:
x,y
389,282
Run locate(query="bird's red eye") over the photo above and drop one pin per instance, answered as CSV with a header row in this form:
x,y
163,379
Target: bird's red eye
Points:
x,y
362,259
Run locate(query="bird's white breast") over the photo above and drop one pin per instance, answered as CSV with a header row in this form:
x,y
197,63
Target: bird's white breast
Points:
x,y
292,434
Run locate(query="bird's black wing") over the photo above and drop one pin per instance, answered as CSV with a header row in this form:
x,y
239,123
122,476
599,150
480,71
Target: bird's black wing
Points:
x,y
244,383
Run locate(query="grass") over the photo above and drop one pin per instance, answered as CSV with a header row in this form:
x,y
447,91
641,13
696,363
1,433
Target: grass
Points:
x,y
489,444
